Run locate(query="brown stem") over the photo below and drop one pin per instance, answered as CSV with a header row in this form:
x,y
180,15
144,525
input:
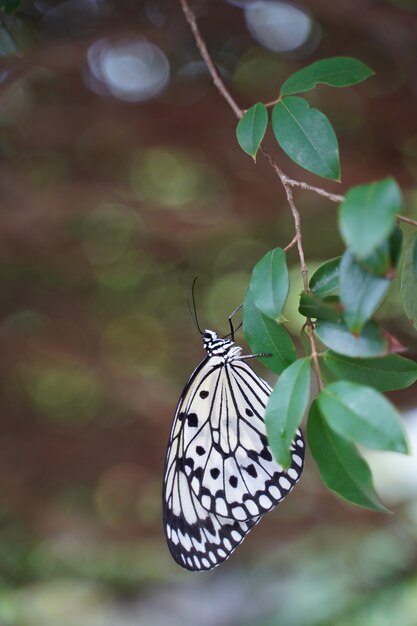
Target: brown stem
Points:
x,y
273,102
407,220
286,182
314,353
294,211
201,45
334,197
291,244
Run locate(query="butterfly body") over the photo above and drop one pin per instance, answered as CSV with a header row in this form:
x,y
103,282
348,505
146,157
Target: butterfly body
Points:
x,y
220,476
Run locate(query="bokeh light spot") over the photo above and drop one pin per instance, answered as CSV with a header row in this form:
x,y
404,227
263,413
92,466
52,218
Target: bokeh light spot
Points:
x,y
230,256
131,70
124,274
279,26
108,231
254,70
176,180
135,344
63,392
149,503
224,295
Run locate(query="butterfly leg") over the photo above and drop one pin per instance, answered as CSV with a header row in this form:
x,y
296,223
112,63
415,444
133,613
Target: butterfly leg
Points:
x,y
230,318
246,357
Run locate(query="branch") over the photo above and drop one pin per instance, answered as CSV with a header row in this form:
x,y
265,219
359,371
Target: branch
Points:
x,y
334,197
295,214
224,92
201,45
291,244
273,102
407,220
286,182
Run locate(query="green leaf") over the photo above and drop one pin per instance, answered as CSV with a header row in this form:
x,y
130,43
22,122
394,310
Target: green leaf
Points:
x,y
362,415
360,292
371,342
409,280
326,374
316,308
269,283
286,407
325,280
306,136
395,246
335,72
384,259
385,373
341,467
251,129
267,337
367,215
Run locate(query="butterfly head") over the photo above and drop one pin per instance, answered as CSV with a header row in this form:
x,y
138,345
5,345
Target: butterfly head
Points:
x,y
216,346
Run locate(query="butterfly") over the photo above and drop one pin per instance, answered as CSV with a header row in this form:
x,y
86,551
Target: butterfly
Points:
x,y
220,477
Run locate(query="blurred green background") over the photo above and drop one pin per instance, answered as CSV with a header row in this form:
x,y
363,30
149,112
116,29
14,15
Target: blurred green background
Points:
x,y
121,180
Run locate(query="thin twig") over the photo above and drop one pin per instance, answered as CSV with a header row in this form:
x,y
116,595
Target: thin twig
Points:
x,y
334,197
295,214
201,45
224,92
273,102
291,244
407,220
286,182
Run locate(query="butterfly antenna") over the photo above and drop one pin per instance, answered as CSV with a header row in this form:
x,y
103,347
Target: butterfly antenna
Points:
x,y
193,310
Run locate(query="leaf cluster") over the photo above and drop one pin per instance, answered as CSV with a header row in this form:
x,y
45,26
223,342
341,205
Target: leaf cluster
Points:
x,y
359,359
304,133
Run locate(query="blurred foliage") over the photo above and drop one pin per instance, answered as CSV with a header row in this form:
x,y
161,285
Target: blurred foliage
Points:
x,y
10,6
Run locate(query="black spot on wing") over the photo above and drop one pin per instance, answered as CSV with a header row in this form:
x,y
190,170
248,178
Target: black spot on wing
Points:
x,y
204,394
198,473
209,526
189,462
263,439
265,455
251,470
192,420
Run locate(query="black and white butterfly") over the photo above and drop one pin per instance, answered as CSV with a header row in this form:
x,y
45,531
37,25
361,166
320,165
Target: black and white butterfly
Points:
x,y
220,476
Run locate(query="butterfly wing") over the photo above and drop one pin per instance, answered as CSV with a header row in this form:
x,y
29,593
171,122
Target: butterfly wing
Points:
x,y
226,456
220,476
197,538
